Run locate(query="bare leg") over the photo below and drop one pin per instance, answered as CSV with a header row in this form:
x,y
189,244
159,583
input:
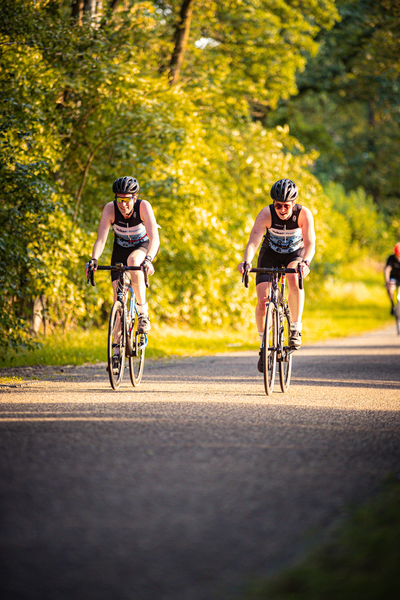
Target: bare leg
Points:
x,y
263,292
295,295
137,278
391,288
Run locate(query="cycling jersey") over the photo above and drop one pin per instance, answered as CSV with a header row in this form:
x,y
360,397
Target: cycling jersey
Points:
x,y
129,232
395,266
284,236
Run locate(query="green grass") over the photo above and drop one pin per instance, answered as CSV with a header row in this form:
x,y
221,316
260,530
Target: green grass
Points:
x,y
82,346
8,380
361,560
356,305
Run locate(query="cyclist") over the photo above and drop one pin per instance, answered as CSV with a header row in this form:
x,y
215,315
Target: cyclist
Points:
x,y
289,239
136,240
392,274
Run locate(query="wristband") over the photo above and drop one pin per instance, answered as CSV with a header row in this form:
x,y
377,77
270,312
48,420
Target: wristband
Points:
x,y
148,257
307,262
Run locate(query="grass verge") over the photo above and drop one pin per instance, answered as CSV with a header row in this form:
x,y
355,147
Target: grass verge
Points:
x,y
355,306
360,561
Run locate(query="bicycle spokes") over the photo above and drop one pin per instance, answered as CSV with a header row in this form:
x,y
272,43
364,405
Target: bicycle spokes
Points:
x,y
116,345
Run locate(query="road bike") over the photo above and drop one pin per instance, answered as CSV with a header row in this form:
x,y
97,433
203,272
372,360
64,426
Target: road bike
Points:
x,y
275,345
124,340
397,311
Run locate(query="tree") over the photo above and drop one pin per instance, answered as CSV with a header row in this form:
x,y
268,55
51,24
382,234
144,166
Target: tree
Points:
x,y
181,38
347,105
87,104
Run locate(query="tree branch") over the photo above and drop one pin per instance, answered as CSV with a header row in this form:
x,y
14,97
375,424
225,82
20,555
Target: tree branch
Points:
x,y
114,4
87,167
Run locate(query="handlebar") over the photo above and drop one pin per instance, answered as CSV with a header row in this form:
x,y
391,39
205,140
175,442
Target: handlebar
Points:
x,y
273,270
118,267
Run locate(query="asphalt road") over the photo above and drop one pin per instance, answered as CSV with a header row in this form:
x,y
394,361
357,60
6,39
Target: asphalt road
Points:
x,y
192,485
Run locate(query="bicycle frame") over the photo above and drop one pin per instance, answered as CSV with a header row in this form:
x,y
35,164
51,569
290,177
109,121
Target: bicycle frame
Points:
x,y
397,311
122,296
277,315
121,325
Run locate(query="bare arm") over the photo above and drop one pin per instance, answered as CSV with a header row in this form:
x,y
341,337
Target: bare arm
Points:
x,y
106,220
306,222
263,220
149,220
387,271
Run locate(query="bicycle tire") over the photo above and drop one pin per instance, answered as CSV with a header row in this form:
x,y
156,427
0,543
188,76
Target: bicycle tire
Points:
x,y
285,360
136,363
270,347
397,315
116,338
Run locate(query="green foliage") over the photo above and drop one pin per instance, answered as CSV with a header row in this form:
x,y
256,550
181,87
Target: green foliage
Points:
x,y
250,51
360,561
363,226
84,104
347,107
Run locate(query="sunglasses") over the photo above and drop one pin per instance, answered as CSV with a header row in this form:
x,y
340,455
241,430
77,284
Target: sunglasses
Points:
x,y
127,200
283,205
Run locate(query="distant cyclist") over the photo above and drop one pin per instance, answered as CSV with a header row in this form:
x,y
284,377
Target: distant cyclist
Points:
x,y
289,239
136,240
392,274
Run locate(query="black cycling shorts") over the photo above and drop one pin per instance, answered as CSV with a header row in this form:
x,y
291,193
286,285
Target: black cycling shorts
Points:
x,y
121,254
269,258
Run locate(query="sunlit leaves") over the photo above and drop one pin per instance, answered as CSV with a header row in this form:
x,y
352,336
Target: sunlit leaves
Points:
x,y
84,104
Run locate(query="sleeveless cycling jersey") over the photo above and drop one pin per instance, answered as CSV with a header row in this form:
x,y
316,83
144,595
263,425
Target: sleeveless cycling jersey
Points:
x,y
284,236
395,266
129,232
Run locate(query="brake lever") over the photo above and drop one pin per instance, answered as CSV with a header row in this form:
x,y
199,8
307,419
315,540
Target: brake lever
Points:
x,y
90,275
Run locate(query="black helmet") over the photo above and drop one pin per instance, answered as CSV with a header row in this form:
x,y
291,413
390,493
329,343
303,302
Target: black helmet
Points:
x,y
125,185
284,190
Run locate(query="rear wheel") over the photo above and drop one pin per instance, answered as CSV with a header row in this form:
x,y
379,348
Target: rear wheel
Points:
x,y
397,314
136,362
285,360
270,347
116,346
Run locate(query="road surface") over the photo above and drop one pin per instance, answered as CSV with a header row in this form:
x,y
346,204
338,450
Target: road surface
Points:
x,y
192,485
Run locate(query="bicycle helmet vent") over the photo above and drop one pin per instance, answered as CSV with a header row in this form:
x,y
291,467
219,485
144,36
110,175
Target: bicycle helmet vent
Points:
x,y
125,185
284,190
396,249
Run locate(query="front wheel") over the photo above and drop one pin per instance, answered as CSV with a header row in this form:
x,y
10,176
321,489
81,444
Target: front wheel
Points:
x,y
397,315
270,347
285,360
136,361
116,346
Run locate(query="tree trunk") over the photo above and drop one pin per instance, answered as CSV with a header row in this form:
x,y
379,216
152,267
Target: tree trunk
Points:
x,y
39,315
92,7
77,10
181,38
